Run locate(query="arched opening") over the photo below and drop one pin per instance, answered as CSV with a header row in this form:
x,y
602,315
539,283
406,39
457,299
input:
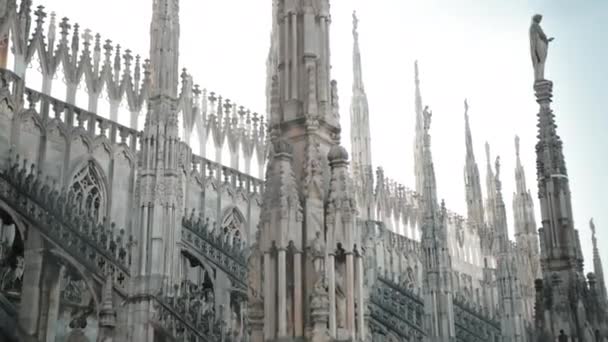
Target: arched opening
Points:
x,y
11,258
233,226
89,191
77,311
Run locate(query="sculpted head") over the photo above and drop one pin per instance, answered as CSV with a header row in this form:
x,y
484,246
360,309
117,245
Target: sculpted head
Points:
x,y
537,18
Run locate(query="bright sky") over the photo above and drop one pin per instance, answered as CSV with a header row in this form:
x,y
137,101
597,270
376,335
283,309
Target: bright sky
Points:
x,y
471,49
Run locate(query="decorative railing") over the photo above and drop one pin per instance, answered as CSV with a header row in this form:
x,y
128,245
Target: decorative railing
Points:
x,y
187,313
206,168
69,118
67,52
472,325
220,248
101,247
397,309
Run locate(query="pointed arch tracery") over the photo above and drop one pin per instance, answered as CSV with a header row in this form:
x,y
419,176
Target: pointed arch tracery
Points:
x,y
233,225
89,191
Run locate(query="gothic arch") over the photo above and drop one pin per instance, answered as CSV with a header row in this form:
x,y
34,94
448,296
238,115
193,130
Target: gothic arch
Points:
x,y
194,256
12,246
90,186
234,223
82,272
19,223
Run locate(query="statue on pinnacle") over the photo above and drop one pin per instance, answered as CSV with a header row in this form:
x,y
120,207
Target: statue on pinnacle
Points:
x,y
539,44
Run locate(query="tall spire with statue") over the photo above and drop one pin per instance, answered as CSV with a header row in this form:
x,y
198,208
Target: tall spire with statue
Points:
x,y
437,263
562,301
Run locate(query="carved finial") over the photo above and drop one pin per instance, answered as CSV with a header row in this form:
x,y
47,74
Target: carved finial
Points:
x,y
592,226
466,107
355,24
517,146
488,153
497,166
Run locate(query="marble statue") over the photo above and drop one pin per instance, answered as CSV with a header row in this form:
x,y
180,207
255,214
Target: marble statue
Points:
x,y
539,44
427,118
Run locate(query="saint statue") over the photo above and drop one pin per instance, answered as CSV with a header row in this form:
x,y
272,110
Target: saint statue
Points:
x,y
539,44
426,113
317,249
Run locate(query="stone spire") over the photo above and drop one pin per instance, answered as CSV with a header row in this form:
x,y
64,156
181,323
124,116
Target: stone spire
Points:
x,y
523,206
437,262
159,187
304,129
164,48
511,310
419,138
490,205
360,131
561,255
526,236
597,264
474,197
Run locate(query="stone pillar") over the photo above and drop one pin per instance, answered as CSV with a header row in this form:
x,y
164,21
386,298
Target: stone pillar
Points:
x,y
261,169
114,105
53,302
248,165
134,119
70,94
93,102
3,51
331,275
360,298
297,294
29,309
269,295
234,158
47,84
20,65
218,153
282,293
350,298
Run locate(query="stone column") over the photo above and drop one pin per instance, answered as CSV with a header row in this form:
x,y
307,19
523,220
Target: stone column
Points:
x,y
53,307
3,51
297,293
114,104
269,295
248,165
47,84
134,119
360,298
29,309
218,153
350,298
331,277
20,65
234,158
282,294
261,169
70,94
93,102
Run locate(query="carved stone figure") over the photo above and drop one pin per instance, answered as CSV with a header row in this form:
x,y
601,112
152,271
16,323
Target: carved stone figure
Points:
x,y
317,249
427,114
539,44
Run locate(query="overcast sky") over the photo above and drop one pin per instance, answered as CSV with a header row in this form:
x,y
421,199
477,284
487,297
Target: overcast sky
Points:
x,y
474,49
